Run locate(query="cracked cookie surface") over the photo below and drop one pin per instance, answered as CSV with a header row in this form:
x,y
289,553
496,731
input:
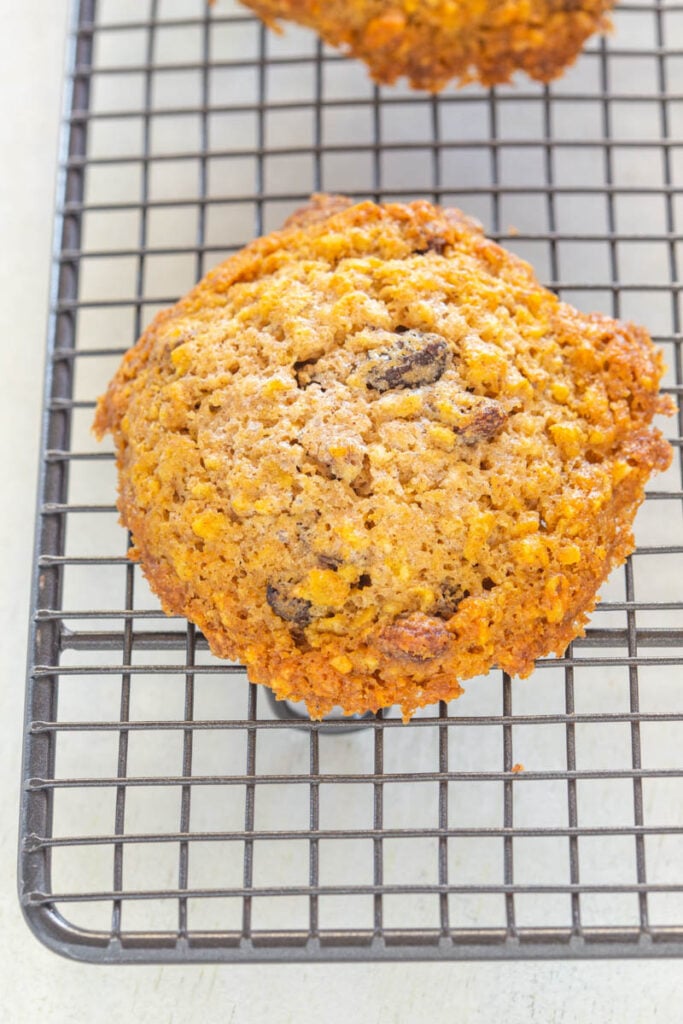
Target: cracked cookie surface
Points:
x,y
434,41
372,468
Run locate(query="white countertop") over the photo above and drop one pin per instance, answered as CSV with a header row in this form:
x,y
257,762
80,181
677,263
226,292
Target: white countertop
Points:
x,y
37,985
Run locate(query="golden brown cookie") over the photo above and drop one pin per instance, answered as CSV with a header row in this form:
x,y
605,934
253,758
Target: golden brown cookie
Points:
x,y
433,41
370,456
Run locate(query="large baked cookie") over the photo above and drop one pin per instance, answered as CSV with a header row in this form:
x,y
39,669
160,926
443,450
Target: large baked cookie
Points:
x,y
371,456
433,41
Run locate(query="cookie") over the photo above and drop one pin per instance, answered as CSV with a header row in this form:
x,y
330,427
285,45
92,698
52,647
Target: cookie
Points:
x,y
466,40
371,457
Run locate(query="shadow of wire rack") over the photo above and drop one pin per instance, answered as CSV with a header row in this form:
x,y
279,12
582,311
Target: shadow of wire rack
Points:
x,y
168,813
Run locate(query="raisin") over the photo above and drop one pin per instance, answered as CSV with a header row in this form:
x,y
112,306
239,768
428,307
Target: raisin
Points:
x,y
449,601
291,609
414,360
416,636
487,419
330,561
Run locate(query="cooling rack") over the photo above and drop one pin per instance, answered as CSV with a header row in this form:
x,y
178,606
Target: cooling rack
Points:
x,y
170,811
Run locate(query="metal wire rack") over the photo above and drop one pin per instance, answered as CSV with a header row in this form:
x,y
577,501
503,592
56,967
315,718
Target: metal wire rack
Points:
x,y
170,812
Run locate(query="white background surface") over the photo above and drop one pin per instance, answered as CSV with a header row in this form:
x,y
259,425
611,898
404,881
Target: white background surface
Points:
x,y
36,985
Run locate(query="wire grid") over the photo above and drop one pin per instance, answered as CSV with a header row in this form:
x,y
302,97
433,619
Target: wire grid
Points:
x,y
170,812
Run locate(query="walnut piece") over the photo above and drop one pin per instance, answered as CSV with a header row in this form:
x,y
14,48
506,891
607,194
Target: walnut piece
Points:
x,y
416,636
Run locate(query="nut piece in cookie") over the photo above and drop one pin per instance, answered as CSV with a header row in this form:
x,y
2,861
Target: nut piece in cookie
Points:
x,y
414,360
417,637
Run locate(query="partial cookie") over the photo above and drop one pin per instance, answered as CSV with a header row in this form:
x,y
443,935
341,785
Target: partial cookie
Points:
x,y
436,41
372,457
